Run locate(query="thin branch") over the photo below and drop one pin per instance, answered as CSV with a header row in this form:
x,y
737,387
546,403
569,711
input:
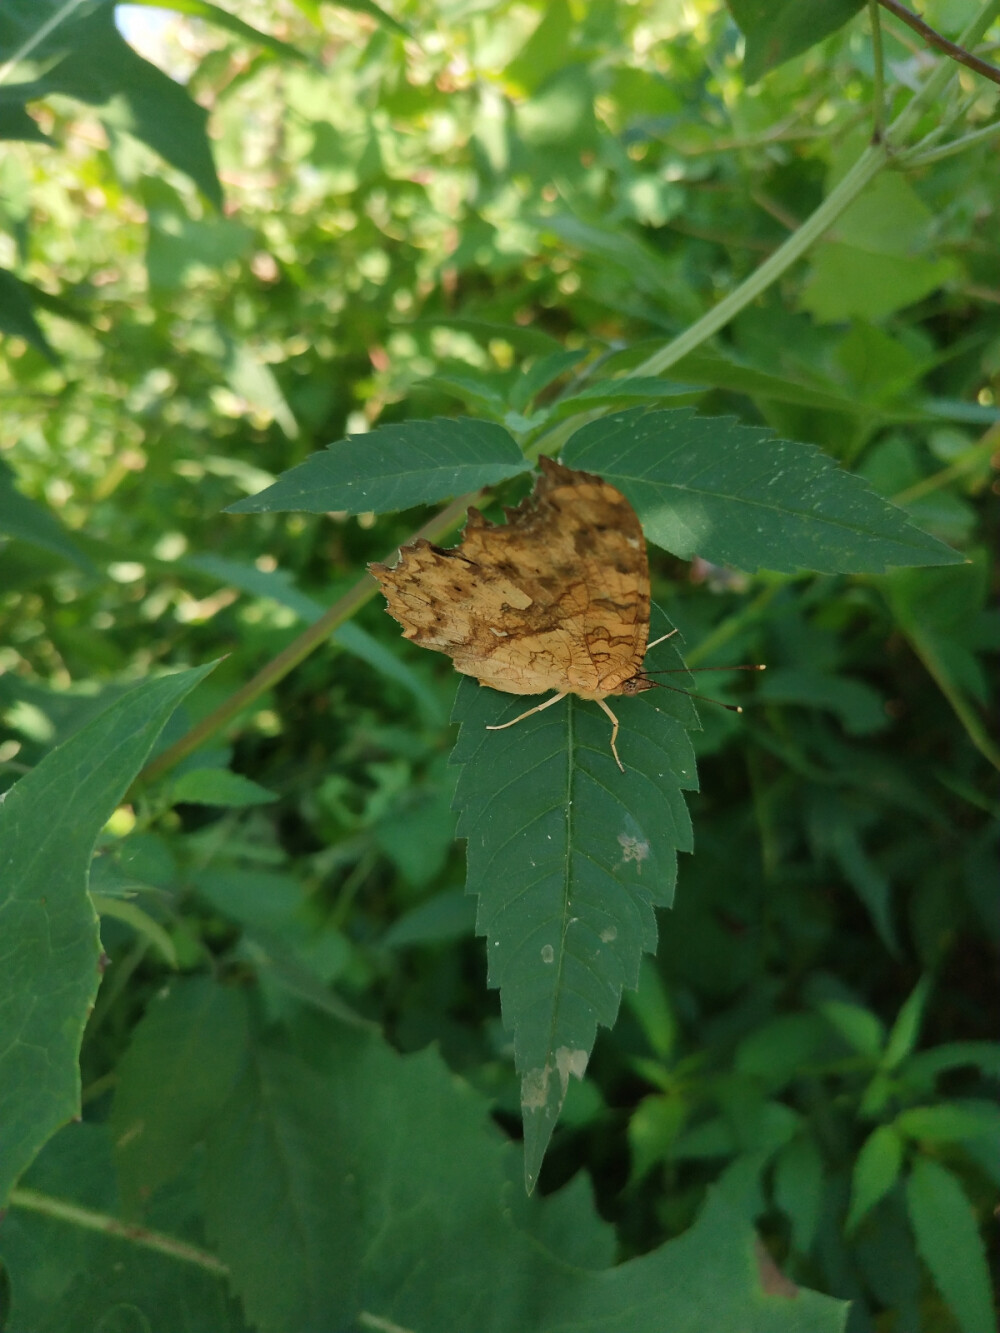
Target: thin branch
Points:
x,y
933,38
63,1211
297,651
878,88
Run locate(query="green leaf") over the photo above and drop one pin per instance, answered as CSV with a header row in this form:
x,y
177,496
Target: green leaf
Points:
x,y
569,856
179,1070
885,255
49,822
776,30
950,1122
798,1189
942,614
948,1240
24,519
858,707
218,786
735,495
17,315
229,22
86,57
282,1199
394,467
906,1029
875,1172
69,1271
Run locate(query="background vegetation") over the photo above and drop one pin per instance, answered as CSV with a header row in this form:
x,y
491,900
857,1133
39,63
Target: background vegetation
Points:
x,y
311,221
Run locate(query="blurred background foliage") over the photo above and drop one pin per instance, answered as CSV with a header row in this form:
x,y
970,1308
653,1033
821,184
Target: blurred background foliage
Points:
x,y
408,223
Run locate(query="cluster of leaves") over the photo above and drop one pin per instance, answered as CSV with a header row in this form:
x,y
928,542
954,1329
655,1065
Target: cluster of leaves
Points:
x,y
508,214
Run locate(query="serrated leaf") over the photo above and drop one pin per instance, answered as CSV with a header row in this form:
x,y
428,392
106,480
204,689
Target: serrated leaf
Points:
x,y
218,786
875,1172
736,495
569,856
49,822
948,1241
176,1075
394,467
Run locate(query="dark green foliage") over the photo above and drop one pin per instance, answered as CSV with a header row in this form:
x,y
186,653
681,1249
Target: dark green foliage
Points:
x,y
304,1107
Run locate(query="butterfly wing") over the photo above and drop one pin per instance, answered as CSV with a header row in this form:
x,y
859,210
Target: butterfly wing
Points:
x,y
557,598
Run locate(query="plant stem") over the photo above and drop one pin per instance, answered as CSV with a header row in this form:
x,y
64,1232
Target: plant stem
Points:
x,y
297,651
62,1211
878,90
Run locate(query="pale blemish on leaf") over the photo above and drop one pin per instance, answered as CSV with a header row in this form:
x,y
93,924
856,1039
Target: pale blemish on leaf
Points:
x,y
633,849
535,1083
608,934
548,953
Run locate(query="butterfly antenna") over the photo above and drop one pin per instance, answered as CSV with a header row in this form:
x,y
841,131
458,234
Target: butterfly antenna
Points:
x,y
730,708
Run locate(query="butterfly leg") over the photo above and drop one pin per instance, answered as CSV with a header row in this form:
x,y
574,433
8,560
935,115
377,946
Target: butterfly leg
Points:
x,y
660,639
614,733
537,709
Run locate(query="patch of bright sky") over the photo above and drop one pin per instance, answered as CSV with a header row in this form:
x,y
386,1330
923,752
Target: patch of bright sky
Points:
x,y
149,32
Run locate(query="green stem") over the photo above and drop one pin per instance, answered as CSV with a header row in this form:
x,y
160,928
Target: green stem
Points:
x,y
297,651
878,78
35,1202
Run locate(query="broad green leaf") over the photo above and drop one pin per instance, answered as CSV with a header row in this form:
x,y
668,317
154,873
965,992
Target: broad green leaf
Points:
x,y
875,1172
394,467
17,316
569,857
49,822
735,495
65,1274
776,30
799,1189
951,1122
178,1072
282,1198
424,1202
218,786
24,519
948,1240
84,56
885,256
859,708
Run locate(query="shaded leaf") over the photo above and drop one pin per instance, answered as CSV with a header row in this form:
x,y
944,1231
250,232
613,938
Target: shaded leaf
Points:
x,y
736,495
85,56
17,316
776,30
394,467
173,1080
568,857
25,519
875,1172
46,918
948,1240
219,786
65,1275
